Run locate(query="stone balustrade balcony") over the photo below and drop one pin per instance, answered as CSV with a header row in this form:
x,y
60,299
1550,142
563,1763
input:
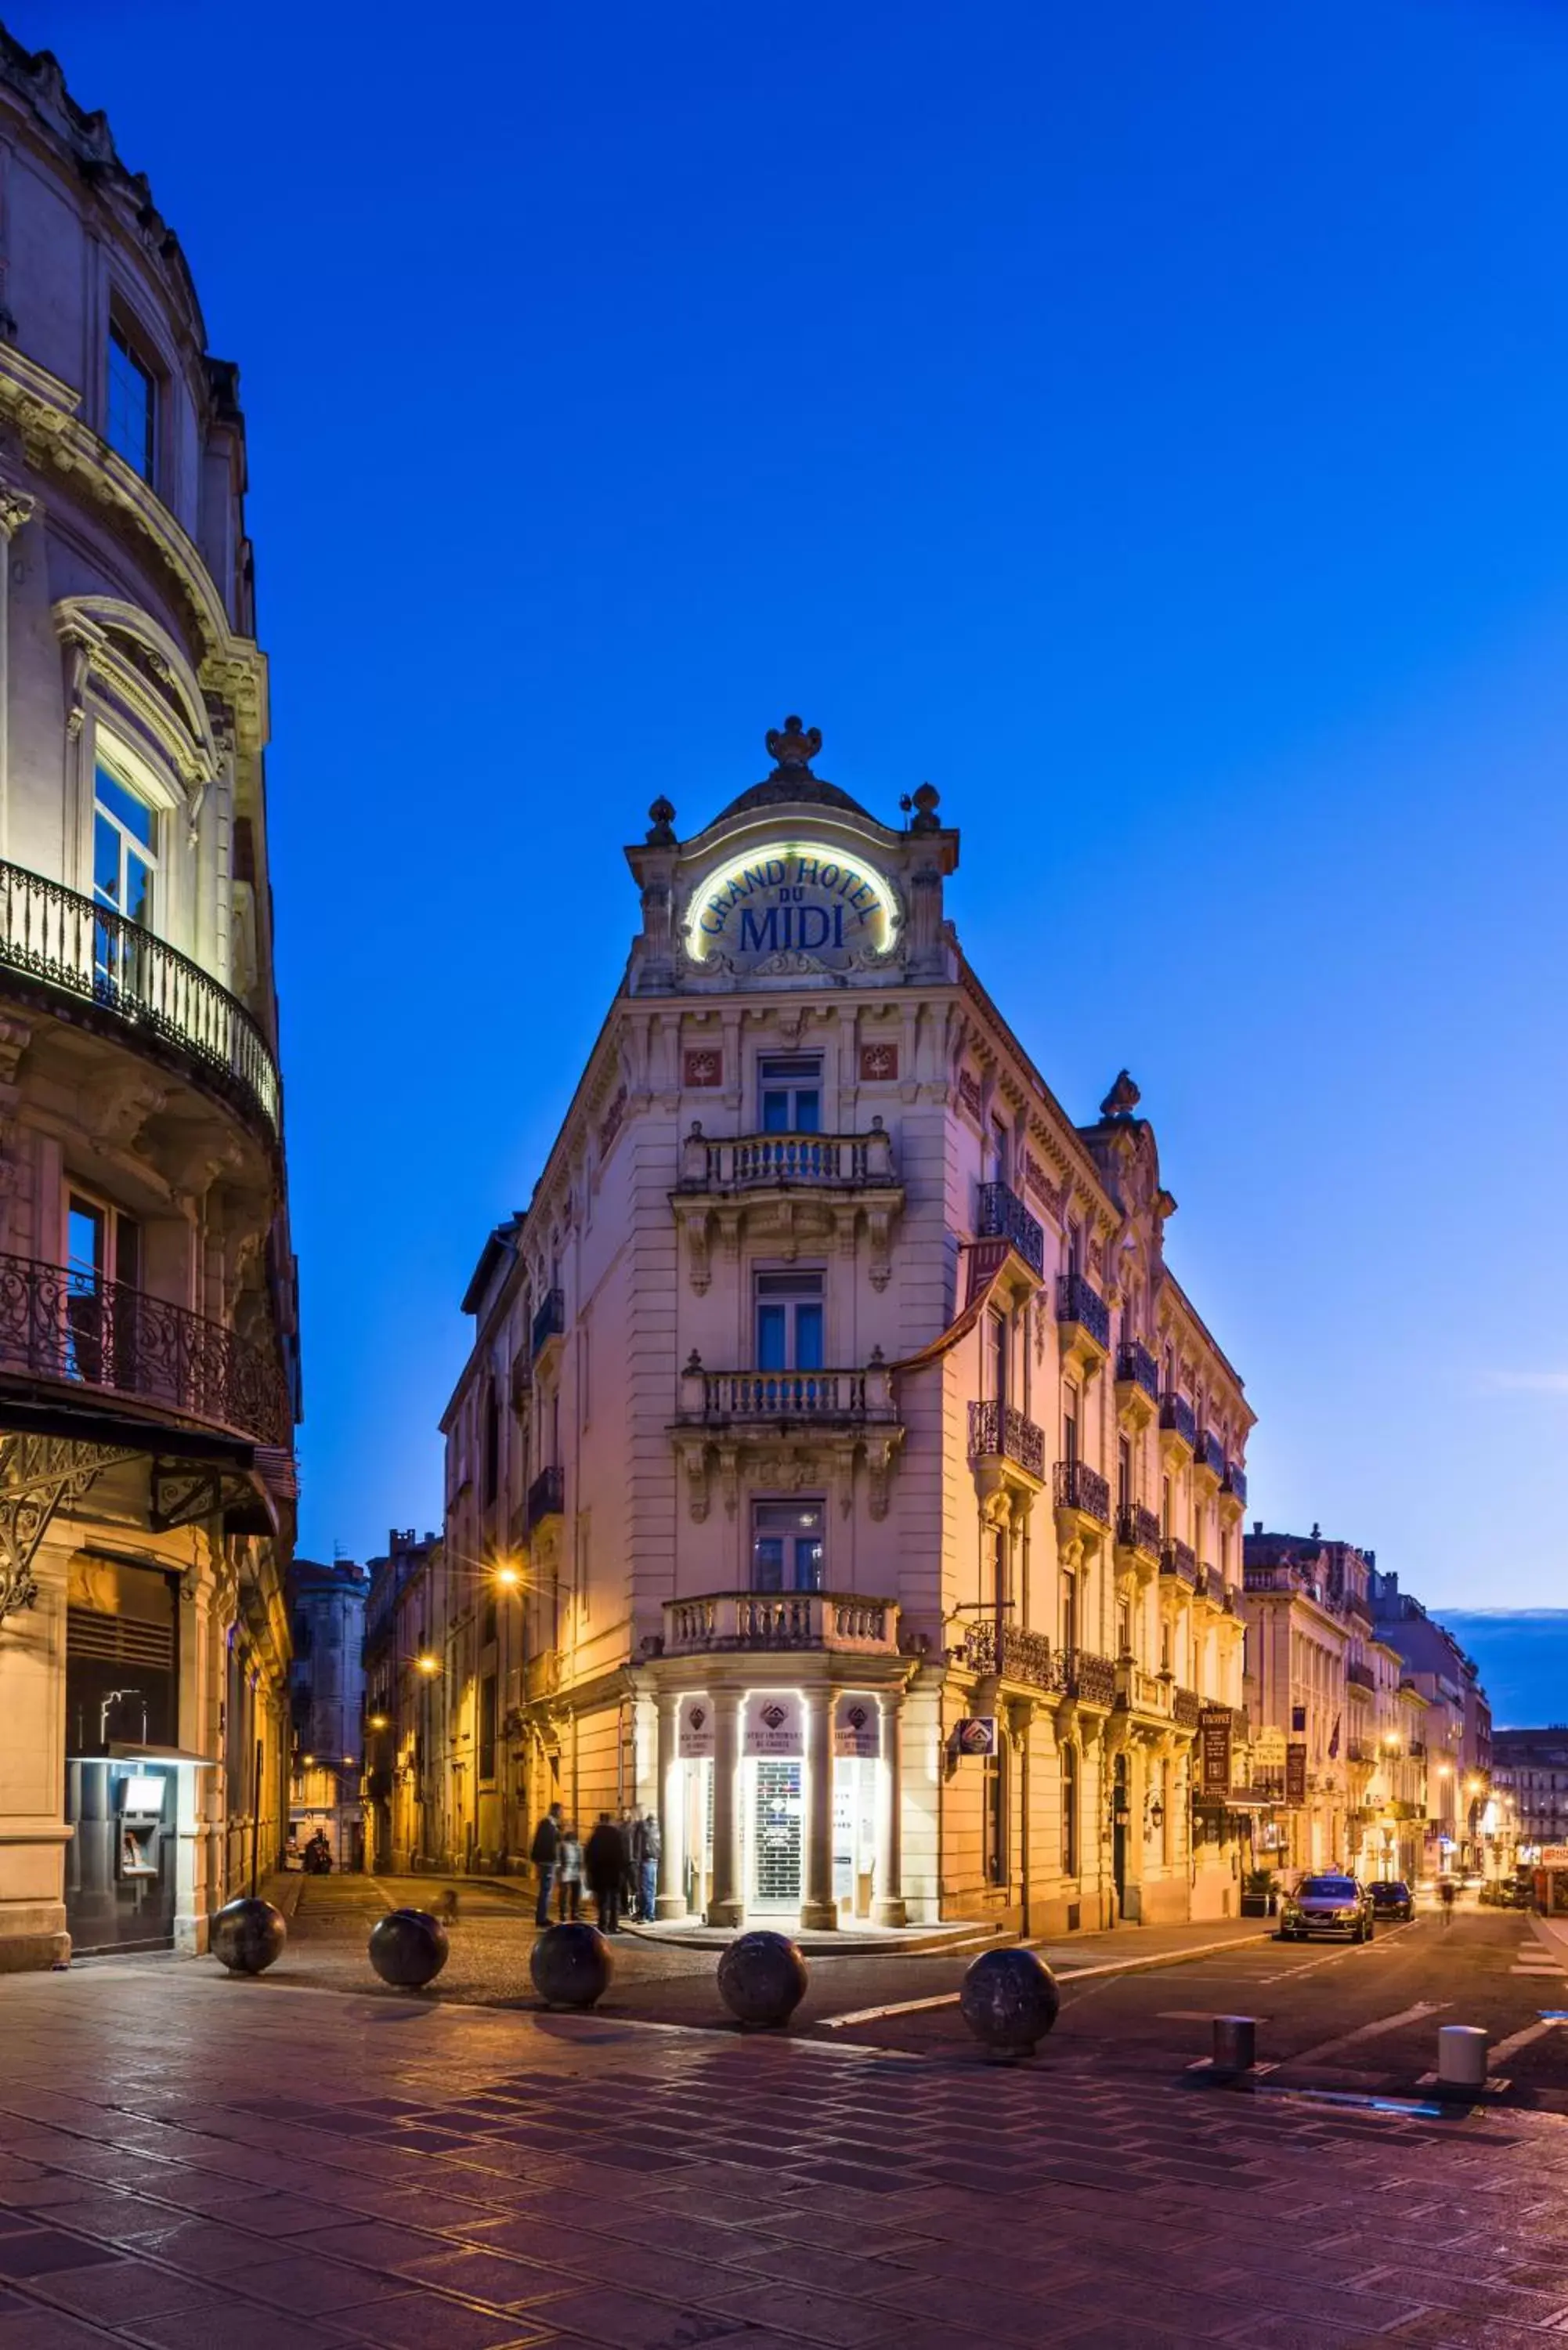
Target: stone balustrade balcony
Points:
x,y
742,1622
767,1163
779,1399
1139,1691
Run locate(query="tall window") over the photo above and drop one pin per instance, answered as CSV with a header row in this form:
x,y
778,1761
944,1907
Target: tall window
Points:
x,y
124,860
487,1727
1123,1627
998,1350
1069,1609
1124,1473
787,1545
102,1247
1070,1424
789,1321
1166,1525
1069,1811
790,1085
132,403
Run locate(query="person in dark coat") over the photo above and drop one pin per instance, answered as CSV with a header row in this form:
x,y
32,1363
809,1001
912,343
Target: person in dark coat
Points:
x,y
605,1862
544,1852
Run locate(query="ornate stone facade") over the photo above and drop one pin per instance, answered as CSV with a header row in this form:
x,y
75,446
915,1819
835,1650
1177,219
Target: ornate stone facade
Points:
x,y
839,1470
147,1289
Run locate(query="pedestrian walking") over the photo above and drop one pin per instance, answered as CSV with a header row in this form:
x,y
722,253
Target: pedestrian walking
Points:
x,y
569,1872
630,1824
605,1866
543,1852
648,1850
1446,1895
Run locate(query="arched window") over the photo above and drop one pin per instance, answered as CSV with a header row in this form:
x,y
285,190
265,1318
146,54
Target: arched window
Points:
x,y
1069,1811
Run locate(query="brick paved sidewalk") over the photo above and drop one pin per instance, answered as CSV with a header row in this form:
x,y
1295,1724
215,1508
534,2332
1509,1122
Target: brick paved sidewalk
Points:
x,y
187,2161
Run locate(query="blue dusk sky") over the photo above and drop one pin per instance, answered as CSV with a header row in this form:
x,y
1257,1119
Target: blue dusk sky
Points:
x,y
1148,422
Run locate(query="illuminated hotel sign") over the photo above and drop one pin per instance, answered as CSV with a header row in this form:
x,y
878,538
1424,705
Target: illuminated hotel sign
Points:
x,y
792,906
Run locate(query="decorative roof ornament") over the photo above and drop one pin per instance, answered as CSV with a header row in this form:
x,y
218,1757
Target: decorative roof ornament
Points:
x,y
793,747
924,801
661,833
1123,1098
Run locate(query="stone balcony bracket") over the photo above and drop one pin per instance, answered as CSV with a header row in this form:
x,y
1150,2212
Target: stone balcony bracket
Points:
x,y
789,1191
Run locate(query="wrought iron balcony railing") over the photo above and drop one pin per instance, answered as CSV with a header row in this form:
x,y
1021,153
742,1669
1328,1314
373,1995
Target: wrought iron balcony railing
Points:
x,y
1084,1675
1003,1216
1179,1559
1138,1529
1208,1453
71,945
547,1497
1235,1480
1361,1677
1137,1367
1186,1707
821,1397
1079,1487
817,1162
1077,1302
729,1621
64,1325
549,1322
1176,1414
996,1431
1025,1656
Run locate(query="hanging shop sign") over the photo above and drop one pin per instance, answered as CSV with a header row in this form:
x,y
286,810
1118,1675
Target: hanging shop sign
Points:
x,y
1269,1749
1216,1728
1296,1773
976,1734
857,1729
792,905
775,1730
1554,1855
696,1731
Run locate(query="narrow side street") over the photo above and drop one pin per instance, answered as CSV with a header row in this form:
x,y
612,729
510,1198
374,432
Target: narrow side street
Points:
x,y
191,2162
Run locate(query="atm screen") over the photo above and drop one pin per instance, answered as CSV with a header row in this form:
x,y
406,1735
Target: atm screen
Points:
x,y
143,1793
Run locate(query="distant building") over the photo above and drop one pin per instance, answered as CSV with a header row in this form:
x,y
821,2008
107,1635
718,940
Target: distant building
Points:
x,y
327,1704
1330,1700
408,1774
1530,1780
1458,1733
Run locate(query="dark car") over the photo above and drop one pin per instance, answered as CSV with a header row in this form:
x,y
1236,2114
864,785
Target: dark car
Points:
x,y
1326,1905
1391,1899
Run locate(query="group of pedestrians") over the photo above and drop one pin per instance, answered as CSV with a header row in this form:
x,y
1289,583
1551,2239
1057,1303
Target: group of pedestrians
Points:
x,y
618,1864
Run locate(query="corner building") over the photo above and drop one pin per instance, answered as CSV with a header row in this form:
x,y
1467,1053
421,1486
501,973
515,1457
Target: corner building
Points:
x,y
147,1318
867,1488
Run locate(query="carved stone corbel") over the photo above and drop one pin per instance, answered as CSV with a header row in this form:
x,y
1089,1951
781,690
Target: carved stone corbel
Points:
x,y
694,1224
730,1479
694,1460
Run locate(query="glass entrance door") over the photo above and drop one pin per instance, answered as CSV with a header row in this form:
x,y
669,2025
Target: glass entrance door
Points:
x,y
776,1836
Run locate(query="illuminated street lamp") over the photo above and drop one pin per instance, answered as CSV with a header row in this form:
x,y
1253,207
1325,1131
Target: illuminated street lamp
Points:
x,y
375,1721
427,1664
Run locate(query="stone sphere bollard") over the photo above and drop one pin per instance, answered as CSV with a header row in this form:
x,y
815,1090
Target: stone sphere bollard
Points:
x,y
248,1935
571,1965
1009,2001
409,1949
763,1979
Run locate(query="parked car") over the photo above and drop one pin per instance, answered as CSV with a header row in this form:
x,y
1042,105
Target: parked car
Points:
x,y
1327,1905
1391,1900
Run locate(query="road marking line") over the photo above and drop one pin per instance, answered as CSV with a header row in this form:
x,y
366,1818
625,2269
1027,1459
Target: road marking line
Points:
x,y
1335,1957
1371,2030
1523,2039
1068,1976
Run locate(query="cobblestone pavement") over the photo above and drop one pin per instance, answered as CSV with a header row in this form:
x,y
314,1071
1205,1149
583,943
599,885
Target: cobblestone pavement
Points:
x,y
187,2160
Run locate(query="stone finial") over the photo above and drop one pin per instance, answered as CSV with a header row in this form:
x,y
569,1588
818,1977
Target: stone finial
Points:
x,y
1123,1098
924,803
661,833
792,746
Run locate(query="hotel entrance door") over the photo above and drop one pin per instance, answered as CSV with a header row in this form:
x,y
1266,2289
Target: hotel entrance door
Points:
x,y
776,1837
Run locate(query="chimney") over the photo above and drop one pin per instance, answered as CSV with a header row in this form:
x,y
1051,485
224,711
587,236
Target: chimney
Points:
x,y
1257,1525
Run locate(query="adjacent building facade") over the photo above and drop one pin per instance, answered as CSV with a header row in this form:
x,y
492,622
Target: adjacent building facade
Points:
x,y
840,1469
147,1384
326,1706
1529,1783
1461,1825
410,1810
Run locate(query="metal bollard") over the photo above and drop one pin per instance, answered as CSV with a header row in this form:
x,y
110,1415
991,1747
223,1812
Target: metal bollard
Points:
x,y
1235,2043
1461,2056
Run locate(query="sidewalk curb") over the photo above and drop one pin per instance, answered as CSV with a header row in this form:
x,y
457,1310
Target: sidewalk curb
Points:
x,y
1065,1976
